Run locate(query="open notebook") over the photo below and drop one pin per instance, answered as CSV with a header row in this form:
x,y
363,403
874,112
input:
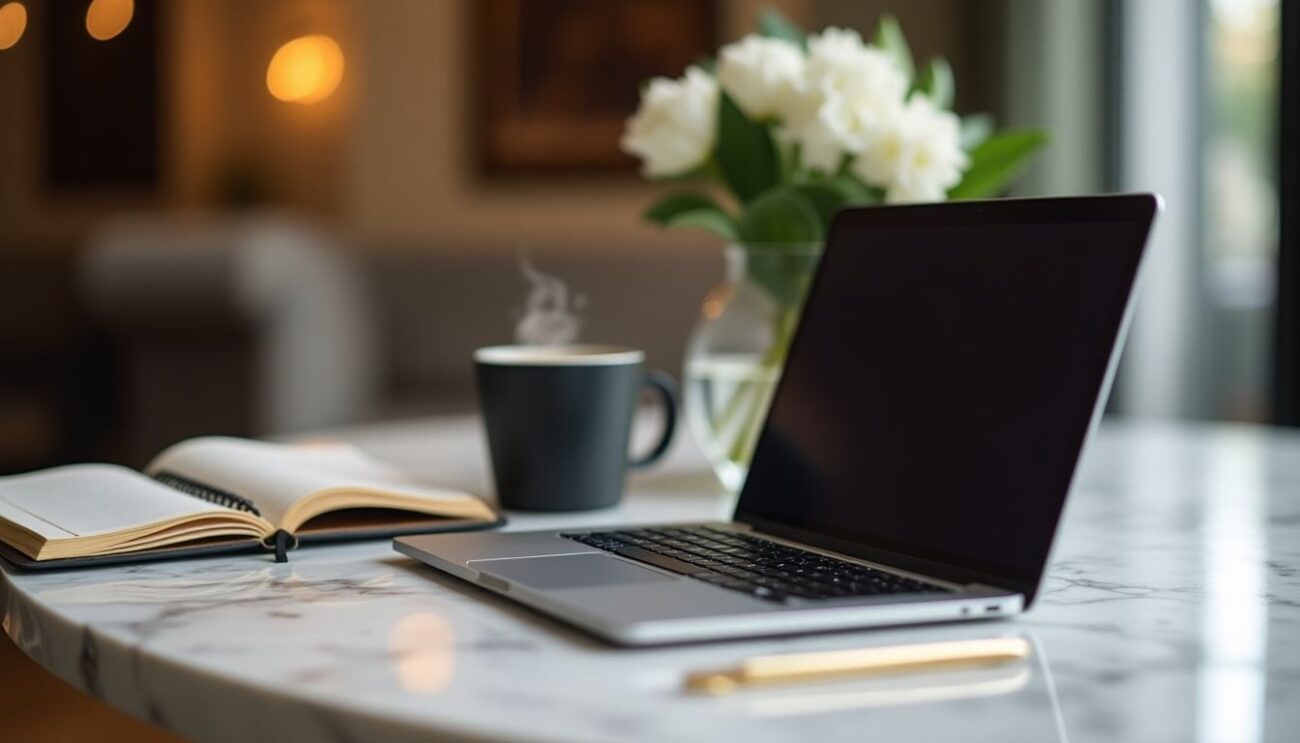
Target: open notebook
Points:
x,y
218,494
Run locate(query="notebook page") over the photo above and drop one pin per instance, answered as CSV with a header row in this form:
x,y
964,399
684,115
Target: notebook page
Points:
x,y
91,499
275,476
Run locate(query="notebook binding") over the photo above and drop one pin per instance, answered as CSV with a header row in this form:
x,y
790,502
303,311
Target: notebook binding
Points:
x,y
206,492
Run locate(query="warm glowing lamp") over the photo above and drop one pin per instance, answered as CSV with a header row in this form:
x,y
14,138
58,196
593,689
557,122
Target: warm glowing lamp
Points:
x,y
305,70
13,21
108,18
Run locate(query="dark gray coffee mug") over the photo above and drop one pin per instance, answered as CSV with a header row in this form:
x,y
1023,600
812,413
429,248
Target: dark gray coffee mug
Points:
x,y
558,421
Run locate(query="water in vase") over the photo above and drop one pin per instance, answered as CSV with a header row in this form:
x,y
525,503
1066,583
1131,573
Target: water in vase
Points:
x,y
728,398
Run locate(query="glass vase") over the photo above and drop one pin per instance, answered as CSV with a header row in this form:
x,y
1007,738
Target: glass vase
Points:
x,y
735,353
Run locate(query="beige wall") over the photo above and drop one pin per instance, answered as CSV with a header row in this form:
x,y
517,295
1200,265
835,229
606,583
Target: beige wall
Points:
x,y
222,113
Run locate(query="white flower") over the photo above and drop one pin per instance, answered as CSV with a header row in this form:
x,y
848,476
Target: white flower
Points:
x,y
839,61
850,91
916,156
821,127
674,128
761,74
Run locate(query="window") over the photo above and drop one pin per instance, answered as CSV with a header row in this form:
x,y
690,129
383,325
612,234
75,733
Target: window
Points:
x,y
1239,249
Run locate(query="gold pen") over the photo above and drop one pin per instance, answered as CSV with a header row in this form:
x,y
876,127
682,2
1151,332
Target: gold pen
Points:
x,y
796,667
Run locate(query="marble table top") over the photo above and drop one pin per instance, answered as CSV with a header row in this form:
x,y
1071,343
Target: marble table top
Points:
x,y
1171,613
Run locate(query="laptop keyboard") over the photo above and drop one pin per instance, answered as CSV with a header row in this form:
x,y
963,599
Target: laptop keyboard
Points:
x,y
751,565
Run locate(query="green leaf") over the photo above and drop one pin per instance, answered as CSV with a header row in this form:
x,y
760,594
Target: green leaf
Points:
x,y
705,62
853,190
937,82
709,220
974,130
825,199
772,229
776,26
690,209
663,210
783,274
788,155
997,162
745,153
850,189
889,37
782,215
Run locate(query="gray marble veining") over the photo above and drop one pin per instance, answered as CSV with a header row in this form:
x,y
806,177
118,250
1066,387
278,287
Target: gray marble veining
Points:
x,y
1171,612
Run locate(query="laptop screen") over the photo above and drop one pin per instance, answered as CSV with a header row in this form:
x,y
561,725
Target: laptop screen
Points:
x,y
944,377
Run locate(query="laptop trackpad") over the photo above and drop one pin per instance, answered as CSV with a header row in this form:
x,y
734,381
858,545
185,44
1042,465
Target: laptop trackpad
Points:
x,y
568,571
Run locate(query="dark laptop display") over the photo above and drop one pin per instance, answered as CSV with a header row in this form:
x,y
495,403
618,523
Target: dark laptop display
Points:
x,y
943,380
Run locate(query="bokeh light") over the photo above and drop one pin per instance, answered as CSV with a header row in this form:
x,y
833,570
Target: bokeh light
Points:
x,y
13,22
305,70
108,18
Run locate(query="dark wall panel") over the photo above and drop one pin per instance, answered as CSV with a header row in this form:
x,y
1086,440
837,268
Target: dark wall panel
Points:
x,y
1287,377
102,107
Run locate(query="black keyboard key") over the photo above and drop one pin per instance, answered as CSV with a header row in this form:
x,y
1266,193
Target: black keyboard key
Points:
x,y
667,563
748,564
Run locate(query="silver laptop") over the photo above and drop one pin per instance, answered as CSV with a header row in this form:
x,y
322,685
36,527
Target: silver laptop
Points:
x,y
951,362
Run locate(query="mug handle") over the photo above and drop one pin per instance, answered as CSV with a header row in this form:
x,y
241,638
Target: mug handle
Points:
x,y
666,387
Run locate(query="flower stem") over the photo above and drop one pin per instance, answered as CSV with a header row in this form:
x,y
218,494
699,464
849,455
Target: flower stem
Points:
x,y
742,447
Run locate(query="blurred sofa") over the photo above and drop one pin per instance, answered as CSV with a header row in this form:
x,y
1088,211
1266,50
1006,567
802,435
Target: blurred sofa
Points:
x,y
248,324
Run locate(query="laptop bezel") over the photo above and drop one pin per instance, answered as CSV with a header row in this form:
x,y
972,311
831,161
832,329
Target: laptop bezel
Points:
x,y
1138,209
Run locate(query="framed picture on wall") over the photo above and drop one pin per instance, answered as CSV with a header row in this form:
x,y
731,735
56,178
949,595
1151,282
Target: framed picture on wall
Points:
x,y
558,79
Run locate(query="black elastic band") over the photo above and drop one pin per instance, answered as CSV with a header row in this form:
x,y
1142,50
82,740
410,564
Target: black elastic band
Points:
x,y
281,542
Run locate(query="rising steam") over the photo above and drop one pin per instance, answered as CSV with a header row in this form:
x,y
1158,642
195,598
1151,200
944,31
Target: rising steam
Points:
x,y
550,317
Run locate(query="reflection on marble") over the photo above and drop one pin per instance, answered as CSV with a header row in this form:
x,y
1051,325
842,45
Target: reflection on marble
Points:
x,y
1171,613
422,648
891,691
1234,630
